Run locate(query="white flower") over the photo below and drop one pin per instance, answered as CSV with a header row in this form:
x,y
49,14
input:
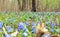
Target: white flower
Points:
x,y
15,33
45,30
57,30
25,34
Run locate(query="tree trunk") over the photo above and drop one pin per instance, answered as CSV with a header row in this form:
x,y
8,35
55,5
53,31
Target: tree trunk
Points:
x,y
34,5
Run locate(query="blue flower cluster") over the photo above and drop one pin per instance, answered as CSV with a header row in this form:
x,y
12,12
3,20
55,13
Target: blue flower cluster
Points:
x,y
26,27
33,27
21,26
52,24
1,24
9,29
33,30
51,30
6,35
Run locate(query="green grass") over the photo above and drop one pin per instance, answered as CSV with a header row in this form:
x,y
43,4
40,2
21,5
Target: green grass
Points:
x,y
35,17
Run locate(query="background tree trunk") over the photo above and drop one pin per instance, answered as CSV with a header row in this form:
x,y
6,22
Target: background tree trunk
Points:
x,y
34,5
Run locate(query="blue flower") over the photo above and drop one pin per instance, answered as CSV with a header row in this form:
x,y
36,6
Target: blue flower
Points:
x,y
51,30
6,35
33,24
52,24
24,29
25,34
34,30
9,29
20,26
1,24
